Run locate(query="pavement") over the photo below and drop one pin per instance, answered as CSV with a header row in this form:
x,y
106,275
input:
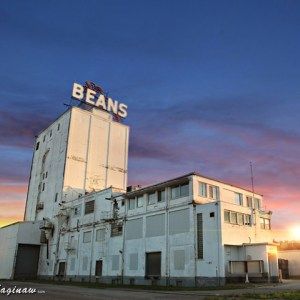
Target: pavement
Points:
x,y
47,291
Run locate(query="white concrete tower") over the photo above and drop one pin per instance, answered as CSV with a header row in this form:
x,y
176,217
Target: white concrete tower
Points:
x,y
80,152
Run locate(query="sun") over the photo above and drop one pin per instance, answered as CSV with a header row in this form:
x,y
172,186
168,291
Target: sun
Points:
x,y
295,232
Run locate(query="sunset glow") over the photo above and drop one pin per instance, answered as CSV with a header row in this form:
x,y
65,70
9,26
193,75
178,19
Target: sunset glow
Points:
x,y
209,88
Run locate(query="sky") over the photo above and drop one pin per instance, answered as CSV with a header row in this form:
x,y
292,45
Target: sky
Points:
x,y
210,86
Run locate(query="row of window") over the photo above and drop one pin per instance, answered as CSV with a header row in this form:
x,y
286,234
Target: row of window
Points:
x,y
213,192
116,230
250,201
159,196
44,138
209,191
237,218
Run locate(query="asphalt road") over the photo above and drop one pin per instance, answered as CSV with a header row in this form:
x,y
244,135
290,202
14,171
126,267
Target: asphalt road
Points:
x,y
62,292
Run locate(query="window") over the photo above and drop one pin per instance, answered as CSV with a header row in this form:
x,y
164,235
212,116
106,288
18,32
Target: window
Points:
x,y
212,215
247,220
184,190
203,189
43,186
227,216
131,203
50,133
116,229
265,223
180,191
175,192
140,201
249,201
153,264
89,207
100,235
56,195
58,126
233,217
46,175
200,236
37,146
87,236
256,203
151,198
238,198
213,192
44,138
161,196
77,210
240,219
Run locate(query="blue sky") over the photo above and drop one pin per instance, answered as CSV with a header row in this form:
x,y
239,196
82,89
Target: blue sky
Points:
x,y
210,85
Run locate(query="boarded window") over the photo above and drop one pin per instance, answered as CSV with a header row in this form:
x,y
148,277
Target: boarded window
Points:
x,y
237,267
89,207
179,221
133,261
200,236
72,264
155,225
151,198
134,229
254,267
100,235
153,264
116,229
85,262
179,259
115,262
140,201
87,236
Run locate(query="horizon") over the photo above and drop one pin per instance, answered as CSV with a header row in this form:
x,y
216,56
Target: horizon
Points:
x,y
210,87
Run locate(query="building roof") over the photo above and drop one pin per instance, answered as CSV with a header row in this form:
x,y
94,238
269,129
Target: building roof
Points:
x,y
179,180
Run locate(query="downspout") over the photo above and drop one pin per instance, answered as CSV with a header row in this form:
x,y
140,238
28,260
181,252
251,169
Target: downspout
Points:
x,y
219,232
92,245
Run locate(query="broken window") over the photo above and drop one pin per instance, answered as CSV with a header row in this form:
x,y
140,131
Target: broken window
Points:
x,y
37,146
116,230
161,196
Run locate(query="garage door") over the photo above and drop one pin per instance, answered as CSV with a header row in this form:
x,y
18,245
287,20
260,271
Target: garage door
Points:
x,y
27,261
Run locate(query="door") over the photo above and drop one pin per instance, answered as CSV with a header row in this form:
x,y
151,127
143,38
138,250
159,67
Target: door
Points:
x,y
98,270
61,268
153,264
27,261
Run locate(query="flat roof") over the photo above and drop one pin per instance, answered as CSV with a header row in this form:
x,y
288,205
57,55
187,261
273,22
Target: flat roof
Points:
x,y
178,180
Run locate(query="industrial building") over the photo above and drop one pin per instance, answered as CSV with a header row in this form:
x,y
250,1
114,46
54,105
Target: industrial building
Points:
x,y
89,226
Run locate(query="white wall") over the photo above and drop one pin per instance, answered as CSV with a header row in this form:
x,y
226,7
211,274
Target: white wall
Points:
x,y
8,247
293,256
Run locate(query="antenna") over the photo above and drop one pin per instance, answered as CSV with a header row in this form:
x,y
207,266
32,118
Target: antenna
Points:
x,y
252,178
